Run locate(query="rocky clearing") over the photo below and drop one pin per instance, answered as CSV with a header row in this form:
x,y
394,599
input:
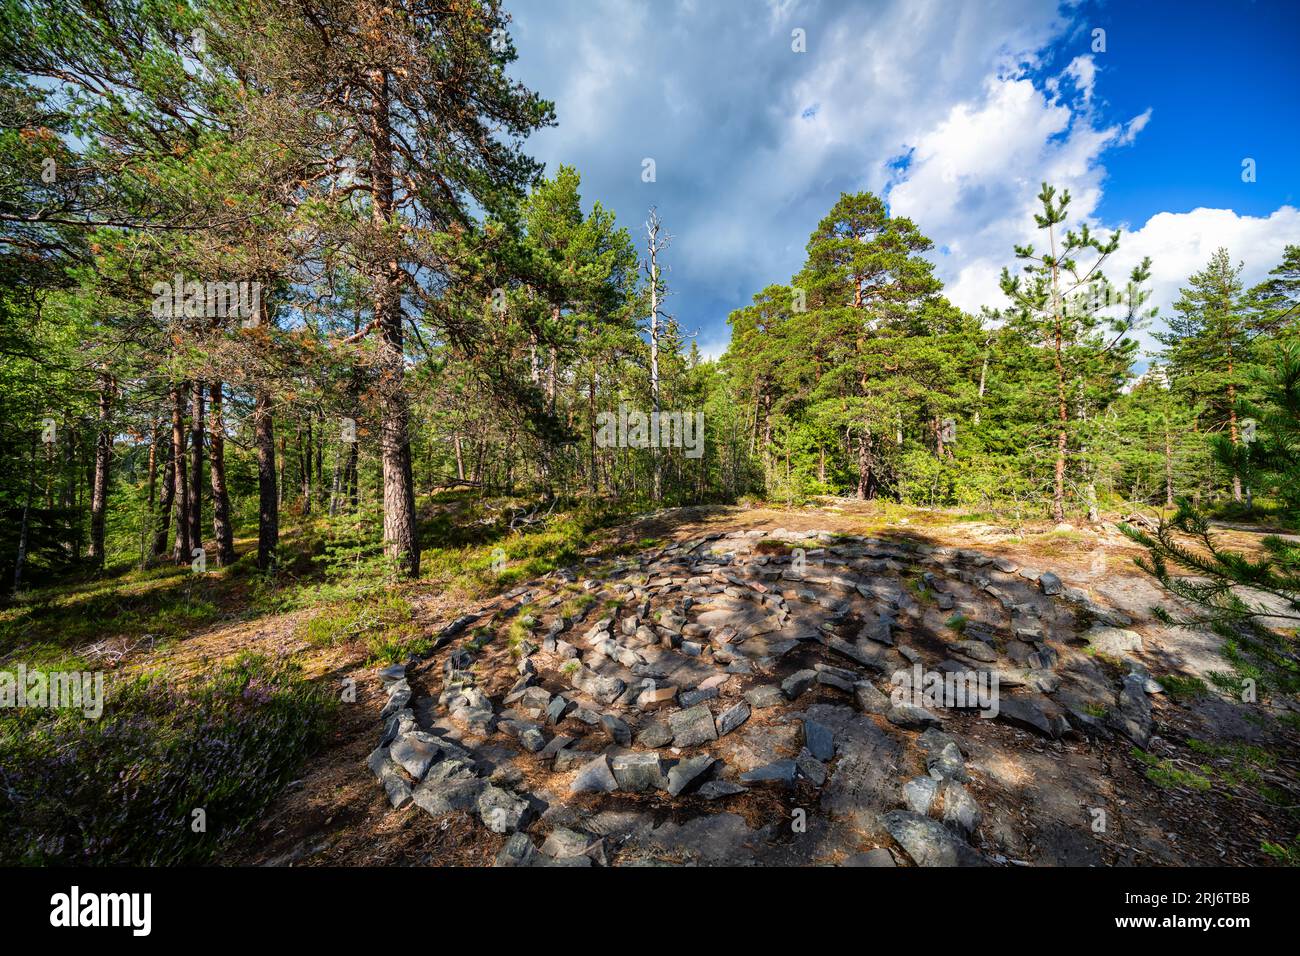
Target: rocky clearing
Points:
x,y
721,695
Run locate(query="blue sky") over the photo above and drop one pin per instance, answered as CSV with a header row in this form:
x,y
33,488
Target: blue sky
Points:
x,y
954,111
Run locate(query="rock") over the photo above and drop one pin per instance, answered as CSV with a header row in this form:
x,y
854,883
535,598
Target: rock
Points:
x,y
656,697
655,734
392,673
976,651
637,771
563,843
959,808
732,717
779,771
877,857
556,708
617,729
384,768
518,851
1132,716
1050,584
910,717
717,789
502,811
689,698
685,772
919,794
594,777
603,689
819,739
415,752
946,763
458,791
1005,565
1025,712
692,726
870,699
1113,641
764,696
797,683
811,768
928,842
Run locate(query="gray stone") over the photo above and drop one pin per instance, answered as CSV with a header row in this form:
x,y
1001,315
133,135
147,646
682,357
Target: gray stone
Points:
x,y
518,851
689,698
616,729
685,772
764,696
870,699
1132,716
415,753
1025,712
928,842
819,739
441,796
717,789
732,717
976,650
563,843
532,739
603,689
1050,584
594,777
502,811
692,726
919,794
959,809
811,768
383,767
797,683
637,771
946,763
910,717
779,771
877,857
1113,641
655,734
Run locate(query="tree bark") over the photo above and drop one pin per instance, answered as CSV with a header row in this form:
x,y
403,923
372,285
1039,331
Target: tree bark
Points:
x,y
163,527
1169,470
268,498
197,419
103,451
181,496
21,559
395,450
221,526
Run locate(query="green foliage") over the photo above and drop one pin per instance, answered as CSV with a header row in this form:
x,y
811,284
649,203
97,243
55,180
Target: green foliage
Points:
x,y
121,790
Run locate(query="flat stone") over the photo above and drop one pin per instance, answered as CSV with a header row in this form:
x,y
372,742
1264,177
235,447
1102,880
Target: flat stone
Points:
x,y
870,698
976,650
390,777
959,809
928,842
717,789
819,739
689,698
810,767
1113,641
415,752
779,771
877,857
1050,584
603,689
616,729
1132,716
518,851
692,726
637,771
919,794
655,734
686,771
797,683
764,696
594,777
910,717
502,811
946,763
732,717
656,697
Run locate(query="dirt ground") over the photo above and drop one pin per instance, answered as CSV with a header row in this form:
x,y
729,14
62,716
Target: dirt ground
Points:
x,y
337,815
